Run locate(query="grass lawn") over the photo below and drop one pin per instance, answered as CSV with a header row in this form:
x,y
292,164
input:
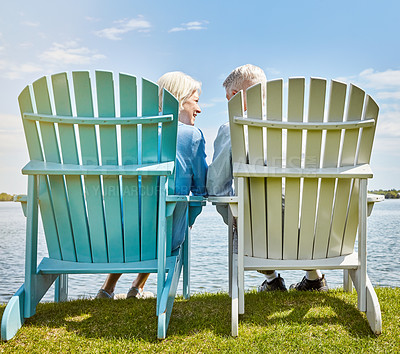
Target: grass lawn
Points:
x,y
273,322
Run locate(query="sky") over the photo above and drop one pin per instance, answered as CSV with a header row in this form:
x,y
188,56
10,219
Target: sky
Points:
x,y
353,41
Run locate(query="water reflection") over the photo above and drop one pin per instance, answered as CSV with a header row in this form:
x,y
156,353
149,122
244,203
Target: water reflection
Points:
x,y
209,267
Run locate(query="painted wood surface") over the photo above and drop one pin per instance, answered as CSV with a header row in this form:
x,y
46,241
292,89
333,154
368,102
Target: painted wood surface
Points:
x,y
343,187
293,159
129,155
109,156
316,109
257,184
86,179
149,196
93,189
324,178
336,105
56,183
68,143
274,159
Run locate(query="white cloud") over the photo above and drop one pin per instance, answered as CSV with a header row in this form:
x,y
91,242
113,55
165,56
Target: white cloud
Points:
x,y
388,95
92,19
26,45
272,71
389,124
14,71
190,26
385,86
381,80
70,53
213,102
369,78
207,105
114,33
31,24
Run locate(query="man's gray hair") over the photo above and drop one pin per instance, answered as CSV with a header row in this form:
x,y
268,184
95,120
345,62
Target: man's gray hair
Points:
x,y
243,77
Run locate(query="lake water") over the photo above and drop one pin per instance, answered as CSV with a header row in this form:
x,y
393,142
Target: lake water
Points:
x,y
209,255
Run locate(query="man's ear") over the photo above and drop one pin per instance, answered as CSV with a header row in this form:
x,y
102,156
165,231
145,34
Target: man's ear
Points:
x,y
229,95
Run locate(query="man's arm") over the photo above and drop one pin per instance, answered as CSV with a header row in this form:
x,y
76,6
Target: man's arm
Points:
x,y
219,177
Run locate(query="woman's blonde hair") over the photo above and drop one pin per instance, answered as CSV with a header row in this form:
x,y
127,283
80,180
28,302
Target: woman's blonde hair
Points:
x,y
178,84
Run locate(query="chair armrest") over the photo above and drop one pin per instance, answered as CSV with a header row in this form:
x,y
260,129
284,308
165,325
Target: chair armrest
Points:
x,y
247,170
191,199
52,168
223,200
23,199
372,199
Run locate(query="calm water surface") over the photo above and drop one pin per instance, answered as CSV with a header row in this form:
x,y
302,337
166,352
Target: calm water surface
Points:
x,y
209,255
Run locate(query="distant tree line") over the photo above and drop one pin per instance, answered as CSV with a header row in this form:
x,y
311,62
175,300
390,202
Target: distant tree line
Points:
x,y
389,194
4,197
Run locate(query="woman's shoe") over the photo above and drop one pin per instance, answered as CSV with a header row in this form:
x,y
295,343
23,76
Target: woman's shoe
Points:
x,y
102,294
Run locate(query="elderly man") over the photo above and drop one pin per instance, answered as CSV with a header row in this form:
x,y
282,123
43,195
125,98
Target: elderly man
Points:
x,y
219,178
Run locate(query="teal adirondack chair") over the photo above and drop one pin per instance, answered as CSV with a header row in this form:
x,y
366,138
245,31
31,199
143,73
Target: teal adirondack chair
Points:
x,y
321,167
106,210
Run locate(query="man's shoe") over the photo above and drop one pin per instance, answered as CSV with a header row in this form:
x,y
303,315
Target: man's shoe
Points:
x,y
319,284
277,284
139,294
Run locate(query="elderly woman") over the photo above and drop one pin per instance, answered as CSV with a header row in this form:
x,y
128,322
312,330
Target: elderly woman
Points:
x,y
191,168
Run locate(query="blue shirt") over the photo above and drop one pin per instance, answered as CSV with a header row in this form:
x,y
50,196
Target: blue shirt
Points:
x,y
191,173
220,176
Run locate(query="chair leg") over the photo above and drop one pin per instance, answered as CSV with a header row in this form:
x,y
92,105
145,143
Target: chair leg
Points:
x,y
240,259
162,326
186,266
13,316
61,288
347,284
372,307
166,298
373,312
241,290
230,249
235,300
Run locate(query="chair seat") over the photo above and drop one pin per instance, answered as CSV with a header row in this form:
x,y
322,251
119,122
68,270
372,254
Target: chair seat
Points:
x,y
342,262
55,266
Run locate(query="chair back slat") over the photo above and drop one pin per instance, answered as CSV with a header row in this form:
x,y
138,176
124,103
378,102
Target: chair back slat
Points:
x,y
274,159
109,156
168,151
235,108
337,100
56,183
169,133
364,155
93,189
35,153
68,143
367,136
343,187
257,185
316,109
150,102
293,159
129,154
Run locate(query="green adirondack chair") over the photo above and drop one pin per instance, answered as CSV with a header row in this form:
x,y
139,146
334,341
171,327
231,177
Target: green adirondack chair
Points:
x,y
324,183
106,210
